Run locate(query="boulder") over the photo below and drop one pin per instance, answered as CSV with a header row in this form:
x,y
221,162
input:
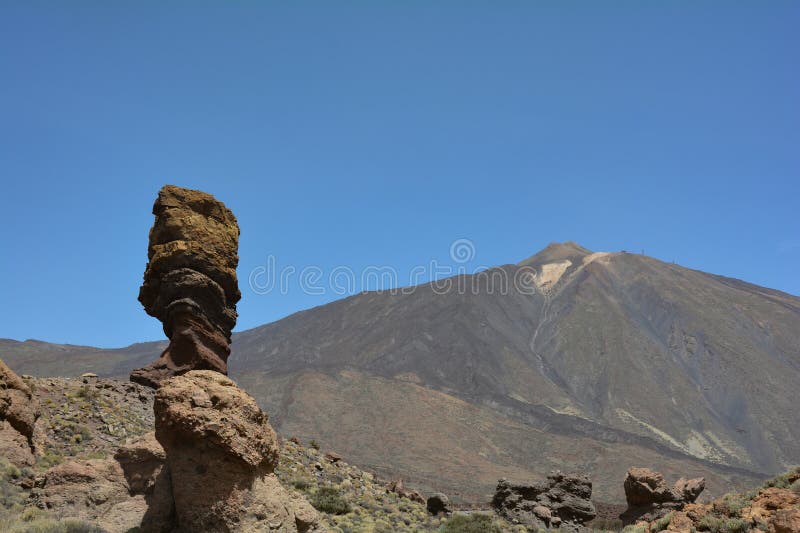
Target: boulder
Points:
x,y
786,521
221,453
132,490
438,503
649,497
689,489
20,435
333,457
563,500
14,446
190,283
143,463
398,487
17,405
769,501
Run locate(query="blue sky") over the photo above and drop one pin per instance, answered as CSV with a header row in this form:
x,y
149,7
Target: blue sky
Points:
x,y
377,133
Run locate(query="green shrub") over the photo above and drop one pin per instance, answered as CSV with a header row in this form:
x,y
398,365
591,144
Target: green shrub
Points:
x,y
300,483
10,494
31,514
95,454
731,505
471,523
330,500
716,524
314,444
84,391
736,525
661,524
68,525
782,481
49,459
795,487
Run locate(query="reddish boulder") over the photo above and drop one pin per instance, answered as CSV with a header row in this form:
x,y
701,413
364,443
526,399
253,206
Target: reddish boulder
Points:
x,y
786,521
398,487
20,435
221,453
333,457
649,497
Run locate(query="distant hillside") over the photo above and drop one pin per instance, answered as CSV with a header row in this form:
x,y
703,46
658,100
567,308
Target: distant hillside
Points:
x,y
616,360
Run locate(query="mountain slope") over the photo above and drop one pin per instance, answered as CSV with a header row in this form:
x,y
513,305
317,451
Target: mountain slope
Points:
x,y
614,359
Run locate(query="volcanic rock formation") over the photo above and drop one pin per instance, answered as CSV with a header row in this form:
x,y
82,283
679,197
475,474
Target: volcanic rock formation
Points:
x,y
649,497
773,508
438,504
18,415
563,501
221,453
130,491
190,283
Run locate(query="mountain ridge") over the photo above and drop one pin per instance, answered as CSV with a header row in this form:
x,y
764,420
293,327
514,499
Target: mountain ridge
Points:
x,y
612,352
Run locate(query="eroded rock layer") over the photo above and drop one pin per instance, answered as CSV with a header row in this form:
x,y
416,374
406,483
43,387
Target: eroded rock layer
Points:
x,y
190,282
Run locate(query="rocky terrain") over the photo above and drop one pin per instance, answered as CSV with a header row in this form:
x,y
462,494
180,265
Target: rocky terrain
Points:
x,y
492,388
617,359
88,420
91,423
773,507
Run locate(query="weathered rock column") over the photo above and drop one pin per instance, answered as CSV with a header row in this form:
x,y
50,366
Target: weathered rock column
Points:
x,y
190,283
221,453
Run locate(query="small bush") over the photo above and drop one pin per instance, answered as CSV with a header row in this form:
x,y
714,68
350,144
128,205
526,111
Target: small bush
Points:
x,y
471,523
661,524
731,505
10,494
782,481
736,525
314,444
795,487
49,459
300,483
716,524
86,392
329,500
9,471
68,525
95,454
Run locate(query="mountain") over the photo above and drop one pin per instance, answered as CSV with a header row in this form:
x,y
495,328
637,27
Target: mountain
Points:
x,y
570,359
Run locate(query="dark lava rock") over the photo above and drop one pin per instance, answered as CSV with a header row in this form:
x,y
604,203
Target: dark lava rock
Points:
x,y
564,501
438,503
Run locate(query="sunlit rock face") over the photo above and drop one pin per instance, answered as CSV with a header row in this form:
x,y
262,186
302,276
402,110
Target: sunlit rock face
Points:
x,y
190,283
221,452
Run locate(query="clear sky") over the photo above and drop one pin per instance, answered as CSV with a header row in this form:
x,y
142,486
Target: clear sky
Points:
x,y
377,133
